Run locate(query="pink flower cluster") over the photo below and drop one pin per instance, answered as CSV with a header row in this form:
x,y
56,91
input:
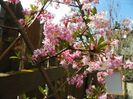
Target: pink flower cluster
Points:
x,y
56,32
94,66
26,12
89,1
76,80
126,22
89,90
98,21
101,77
14,1
47,49
85,60
69,33
103,96
45,16
38,53
73,23
68,58
128,65
114,62
53,34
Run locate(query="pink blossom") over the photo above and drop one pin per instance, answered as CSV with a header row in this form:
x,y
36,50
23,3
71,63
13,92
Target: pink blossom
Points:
x,y
115,42
103,96
67,1
14,1
76,54
89,1
69,57
96,1
48,48
109,71
98,21
114,62
65,21
91,46
101,80
101,32
64,64
77,45
75,65
101,77
45,16
55,32
38,53
126,22
76,80
86,6
128,64
26,12
86,60
22,22
66,35
89,90
96,65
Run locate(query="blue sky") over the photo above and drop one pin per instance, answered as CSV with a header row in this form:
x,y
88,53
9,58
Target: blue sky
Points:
x,y
122,8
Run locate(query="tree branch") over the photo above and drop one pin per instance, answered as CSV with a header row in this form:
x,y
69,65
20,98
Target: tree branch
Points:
x,y
8,27
72,5
9,48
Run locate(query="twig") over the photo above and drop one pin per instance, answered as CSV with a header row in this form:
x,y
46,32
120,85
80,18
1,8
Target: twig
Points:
x,y
66,80
82,13
8,27
39,12
9,48
50,57
72,5
47,80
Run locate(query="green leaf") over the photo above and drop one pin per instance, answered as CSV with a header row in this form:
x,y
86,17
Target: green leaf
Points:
x,y
41,89
101,40
102,45
94,10
91,38
43,2
62,44
33,7
76,33
14,57
28,18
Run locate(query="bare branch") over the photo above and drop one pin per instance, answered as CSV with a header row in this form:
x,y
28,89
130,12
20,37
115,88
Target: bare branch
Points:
x,y
9,48
72,5
8,27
